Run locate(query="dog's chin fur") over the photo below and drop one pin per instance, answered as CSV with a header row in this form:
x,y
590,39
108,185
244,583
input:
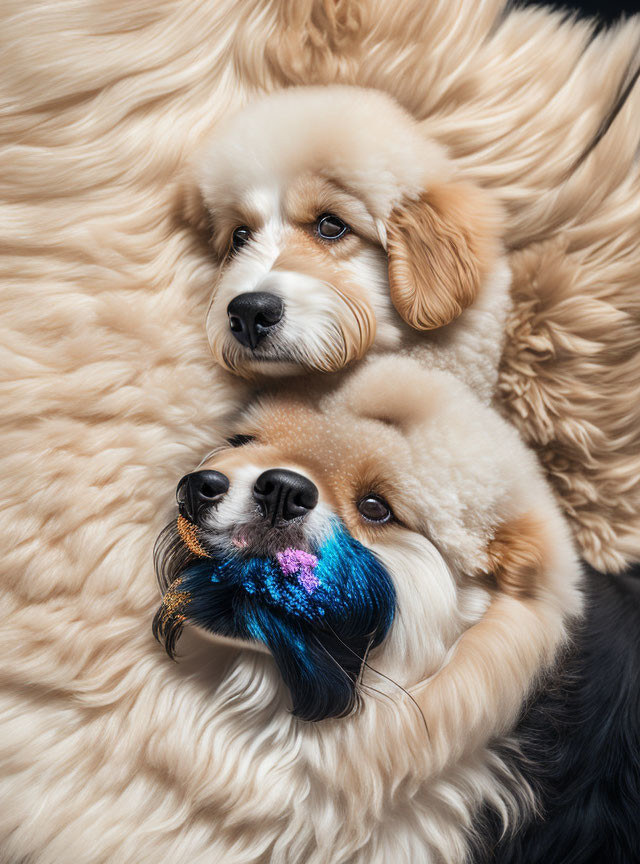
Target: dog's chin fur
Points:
x,y
109,752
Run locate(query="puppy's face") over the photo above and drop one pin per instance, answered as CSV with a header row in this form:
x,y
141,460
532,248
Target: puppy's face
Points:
x,y
367,526
336,225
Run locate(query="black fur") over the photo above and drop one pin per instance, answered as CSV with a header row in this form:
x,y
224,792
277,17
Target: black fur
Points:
x,y
580,742
170,556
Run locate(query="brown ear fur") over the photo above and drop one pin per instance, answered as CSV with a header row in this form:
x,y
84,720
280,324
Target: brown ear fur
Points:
x,y
517,556
441,247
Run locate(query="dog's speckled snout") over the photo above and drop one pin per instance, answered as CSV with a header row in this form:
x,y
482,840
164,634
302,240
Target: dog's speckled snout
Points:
x,y
284,495
199,490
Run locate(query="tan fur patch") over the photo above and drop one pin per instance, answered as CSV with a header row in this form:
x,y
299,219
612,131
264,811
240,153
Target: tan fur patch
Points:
x,y
310,196
517,555
304,254
440,247
356,317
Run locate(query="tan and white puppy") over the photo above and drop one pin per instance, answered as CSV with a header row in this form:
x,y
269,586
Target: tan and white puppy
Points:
x,y
446,497
340,228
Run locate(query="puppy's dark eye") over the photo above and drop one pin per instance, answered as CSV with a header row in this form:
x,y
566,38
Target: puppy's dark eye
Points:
x,y
239,237
240,440
329,227
373,508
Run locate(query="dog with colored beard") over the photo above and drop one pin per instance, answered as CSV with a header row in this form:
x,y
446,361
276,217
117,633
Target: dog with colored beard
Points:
x,y
414,673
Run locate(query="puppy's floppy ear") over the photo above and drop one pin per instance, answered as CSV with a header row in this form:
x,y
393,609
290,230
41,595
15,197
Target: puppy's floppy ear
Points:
x,y
518,555
441,246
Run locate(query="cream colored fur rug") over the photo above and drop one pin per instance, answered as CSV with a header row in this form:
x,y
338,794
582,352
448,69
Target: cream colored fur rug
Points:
x,y
109,393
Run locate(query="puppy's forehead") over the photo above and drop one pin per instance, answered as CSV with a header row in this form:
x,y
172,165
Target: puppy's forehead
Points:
x,y
356,136
260,201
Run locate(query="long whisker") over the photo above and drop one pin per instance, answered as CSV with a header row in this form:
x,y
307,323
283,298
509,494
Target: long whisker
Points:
x,y
335,662
366,663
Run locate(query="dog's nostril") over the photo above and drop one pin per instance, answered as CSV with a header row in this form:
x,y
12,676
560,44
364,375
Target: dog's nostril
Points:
x,y
200,489
264,321
235,324
284,495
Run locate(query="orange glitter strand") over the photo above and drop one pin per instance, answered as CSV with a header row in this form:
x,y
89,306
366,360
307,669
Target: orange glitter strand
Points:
x,y
174,603
189,536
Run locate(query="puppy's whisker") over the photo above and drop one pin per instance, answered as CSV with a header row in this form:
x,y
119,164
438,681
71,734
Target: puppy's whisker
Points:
x,y
366,663
342,670
211,454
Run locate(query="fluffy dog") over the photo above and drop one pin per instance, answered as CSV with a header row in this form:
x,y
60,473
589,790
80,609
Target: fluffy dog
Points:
x,y
340,228
405,564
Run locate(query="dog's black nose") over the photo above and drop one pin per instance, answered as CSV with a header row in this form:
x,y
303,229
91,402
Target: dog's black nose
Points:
x,y
284,494
252,315
198,490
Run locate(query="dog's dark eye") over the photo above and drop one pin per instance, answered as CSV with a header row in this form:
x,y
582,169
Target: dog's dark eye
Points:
x,y
373,508
239,237
240,440
329,227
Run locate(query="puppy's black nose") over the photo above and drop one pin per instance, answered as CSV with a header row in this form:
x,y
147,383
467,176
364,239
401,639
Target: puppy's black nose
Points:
x,y
252,315
284,494
199,490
